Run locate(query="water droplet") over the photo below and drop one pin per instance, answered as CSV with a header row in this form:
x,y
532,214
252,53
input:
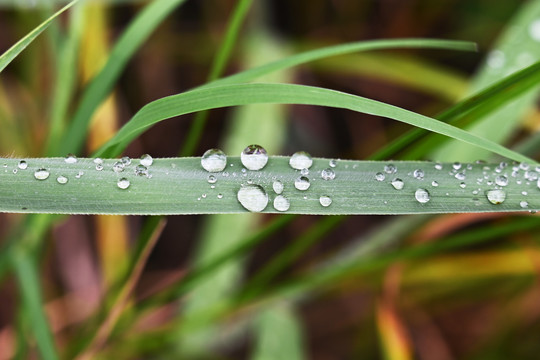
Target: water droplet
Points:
x,y
438,166
15,171
333,163
118,167
456,166
146,160
304,172
496,59
302,183
496,196
22,165
141,170
203,196
524,204
277,186
98,161
123,183
301,160
62,179
99,167
397,183
70,159
462,185
252,198
328,174
254,157
126,160
531,176
434,183
538,184
79,174
534,30
220,196
325,200
524,193
501,180
281,203
41,174
422,196
212,179
214,160
379,176
390,168
418,174
460,176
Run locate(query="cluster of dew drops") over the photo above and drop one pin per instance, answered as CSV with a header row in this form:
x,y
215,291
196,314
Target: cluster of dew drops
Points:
x,y
118,167
253,197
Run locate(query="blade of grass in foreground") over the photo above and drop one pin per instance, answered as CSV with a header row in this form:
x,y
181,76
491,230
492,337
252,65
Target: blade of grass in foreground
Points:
x,y
243,94
181,186
16,49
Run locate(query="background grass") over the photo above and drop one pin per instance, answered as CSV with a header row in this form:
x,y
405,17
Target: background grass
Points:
x,y
268,286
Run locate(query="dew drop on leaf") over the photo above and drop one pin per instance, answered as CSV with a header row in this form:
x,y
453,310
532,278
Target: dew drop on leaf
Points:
x,y
99,167
422,196
325,200
390,168
126,160
277,186
70,159
496,196
123,183
98,161
252,197
281,203
254,157
302,183
301,160
22,165
62,180
501,180
397,183
434,183
379,176
141,170
214,160
212,179
41,174
146,160
118,166
333,163
524,204
418,174
328,174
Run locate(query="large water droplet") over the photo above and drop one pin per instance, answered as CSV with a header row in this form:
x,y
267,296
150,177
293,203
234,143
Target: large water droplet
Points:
x,y
277,186
252,197
254,157
146,160
302,183
214,160
501,180
496,196
281,203
70,159
62,180
397,183
123,183
41,174
301,160
325,200
328,174
22,165
422,196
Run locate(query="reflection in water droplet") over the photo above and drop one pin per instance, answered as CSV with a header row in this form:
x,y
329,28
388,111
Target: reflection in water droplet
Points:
x,y
252,198
422,196
379,176
397,183
123,183
277,186
41,174
70,159
325,200
281,203
62,179
300,160
254,157
214,160
328,174
146,160
22,165
496,196
302,183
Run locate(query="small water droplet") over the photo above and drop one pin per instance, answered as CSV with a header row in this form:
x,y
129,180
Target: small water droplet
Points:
x,y
99,167
397,183
126,160
212,179
141,170
333,163
379,176
496,196
214,160
62,180
524,204
501,180
460,176
22,165
203,196
422,196
325,200
277,186
328,174
254,157
70,159
15,171
41,174
118,166
220,196
123,183
462,185
390,168
434,183
418,174
438,166
79,174
252,198
302,183
456,165
304,172
98,161
146,160
300,160
281,203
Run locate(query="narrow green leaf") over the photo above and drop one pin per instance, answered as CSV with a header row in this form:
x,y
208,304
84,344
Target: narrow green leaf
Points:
x,y
180,186
16,49
243,94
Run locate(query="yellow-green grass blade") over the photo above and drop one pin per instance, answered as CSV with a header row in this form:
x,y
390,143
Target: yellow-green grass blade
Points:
x,y
243,94
180,186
